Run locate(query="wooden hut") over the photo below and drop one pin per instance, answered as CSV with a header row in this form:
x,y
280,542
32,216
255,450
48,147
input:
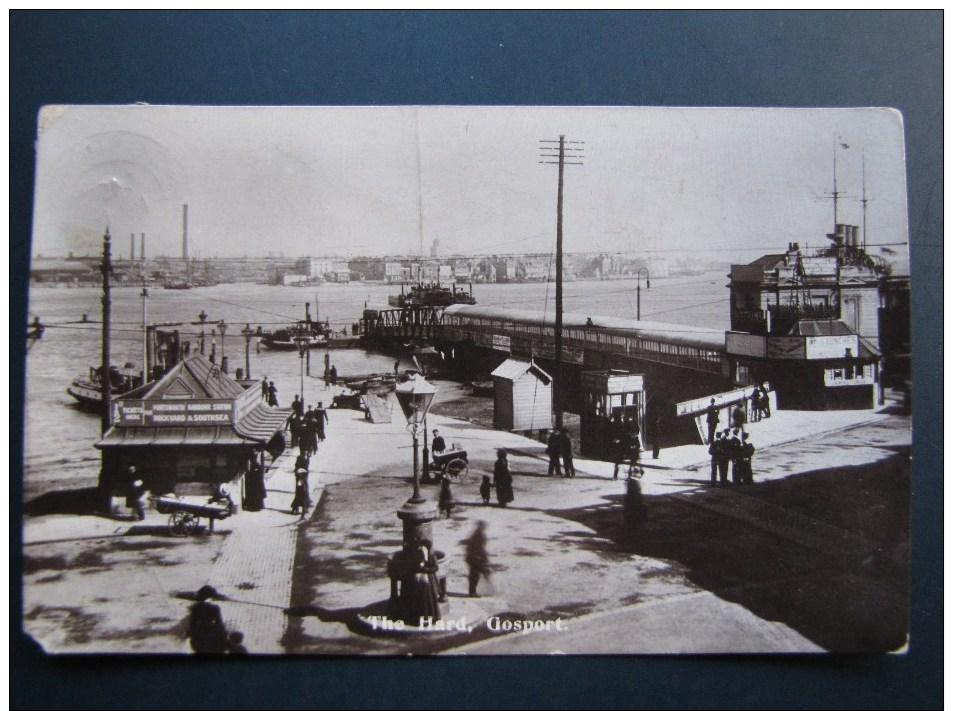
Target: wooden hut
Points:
x,y
523,396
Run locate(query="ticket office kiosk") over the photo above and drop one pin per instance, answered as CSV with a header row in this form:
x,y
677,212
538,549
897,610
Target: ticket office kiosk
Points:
x,y
609,397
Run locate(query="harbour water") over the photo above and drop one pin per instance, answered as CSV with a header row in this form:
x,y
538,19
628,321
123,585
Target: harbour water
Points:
x,y
59,437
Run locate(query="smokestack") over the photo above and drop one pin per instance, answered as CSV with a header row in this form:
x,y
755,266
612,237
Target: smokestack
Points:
x,y
142,246
185,232
132,247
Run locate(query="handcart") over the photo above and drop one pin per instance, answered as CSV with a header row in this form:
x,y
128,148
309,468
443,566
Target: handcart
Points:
x,y
451,464
184,515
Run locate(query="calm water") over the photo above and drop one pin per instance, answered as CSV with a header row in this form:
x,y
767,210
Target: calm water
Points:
x,y
58,443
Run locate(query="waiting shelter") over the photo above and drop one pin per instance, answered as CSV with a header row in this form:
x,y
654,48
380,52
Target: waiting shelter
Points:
x,y
191,431
610,398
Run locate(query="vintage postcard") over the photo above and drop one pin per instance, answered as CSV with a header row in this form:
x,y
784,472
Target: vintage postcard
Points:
x,y
468,381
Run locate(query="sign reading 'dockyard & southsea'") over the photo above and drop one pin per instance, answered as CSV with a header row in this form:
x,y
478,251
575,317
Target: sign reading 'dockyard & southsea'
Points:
x,y
147,413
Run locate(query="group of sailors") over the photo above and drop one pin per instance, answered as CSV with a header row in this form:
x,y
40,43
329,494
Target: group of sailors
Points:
x,y
731,445
307,428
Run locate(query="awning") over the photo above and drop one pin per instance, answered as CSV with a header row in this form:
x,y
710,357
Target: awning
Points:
x,y
257,427
170,437
261,423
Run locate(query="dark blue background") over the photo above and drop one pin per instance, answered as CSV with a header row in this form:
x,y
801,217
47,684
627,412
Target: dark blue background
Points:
x,y
626,58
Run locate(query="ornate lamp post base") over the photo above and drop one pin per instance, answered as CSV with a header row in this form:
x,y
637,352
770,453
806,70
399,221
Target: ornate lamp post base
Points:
x,y
418,592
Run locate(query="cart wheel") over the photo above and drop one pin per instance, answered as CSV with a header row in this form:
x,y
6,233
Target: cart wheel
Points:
x,y
192,524
456,469
179,523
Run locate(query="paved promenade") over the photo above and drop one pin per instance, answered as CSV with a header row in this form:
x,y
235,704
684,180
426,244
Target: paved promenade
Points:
x,y
552,551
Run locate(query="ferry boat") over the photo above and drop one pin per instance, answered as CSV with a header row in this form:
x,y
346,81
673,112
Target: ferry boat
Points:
x,y
315,333
87,388
431,295
179,285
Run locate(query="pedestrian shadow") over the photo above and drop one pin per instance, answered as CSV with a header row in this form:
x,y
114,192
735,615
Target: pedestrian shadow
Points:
x,y
148,530
350,617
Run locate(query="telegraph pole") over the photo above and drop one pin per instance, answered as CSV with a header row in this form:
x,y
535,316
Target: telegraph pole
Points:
x,y
106,268
548,151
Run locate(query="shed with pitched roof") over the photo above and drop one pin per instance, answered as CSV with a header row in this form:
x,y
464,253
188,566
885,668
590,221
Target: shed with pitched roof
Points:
x,y
523,396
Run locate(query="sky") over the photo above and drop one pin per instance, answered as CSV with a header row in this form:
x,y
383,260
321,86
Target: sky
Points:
x,y
729,184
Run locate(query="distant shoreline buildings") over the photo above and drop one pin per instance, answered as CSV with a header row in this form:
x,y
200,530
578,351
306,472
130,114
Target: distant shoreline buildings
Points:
x,y
305,271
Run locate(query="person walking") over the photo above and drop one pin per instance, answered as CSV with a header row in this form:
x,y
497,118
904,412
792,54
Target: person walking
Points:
x,y
735,440
633,443
297,407
656,436
293,425
334,375
713,450
272,394
264,388
764,402
712,418
565,446
739,418
477,558
553,449
136,494
255,492
300,502
502,479
320,420
445,502
745,452
720,458
755,406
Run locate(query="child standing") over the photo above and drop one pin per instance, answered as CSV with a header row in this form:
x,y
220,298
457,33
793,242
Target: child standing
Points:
x,y
485,489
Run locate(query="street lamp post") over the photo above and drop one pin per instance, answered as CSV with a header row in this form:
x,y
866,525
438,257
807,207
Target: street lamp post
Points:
x,y
302,342
408,602
638,291
247,332
202,317
222,326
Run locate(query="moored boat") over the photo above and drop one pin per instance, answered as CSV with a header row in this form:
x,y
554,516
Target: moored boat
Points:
x,y
315,335
88,388
431,295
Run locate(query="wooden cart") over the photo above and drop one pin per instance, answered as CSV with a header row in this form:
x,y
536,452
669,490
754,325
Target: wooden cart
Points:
x,y
184,515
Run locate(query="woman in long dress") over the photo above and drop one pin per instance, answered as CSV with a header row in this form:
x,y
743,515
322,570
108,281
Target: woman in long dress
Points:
x,y
426,586
502,479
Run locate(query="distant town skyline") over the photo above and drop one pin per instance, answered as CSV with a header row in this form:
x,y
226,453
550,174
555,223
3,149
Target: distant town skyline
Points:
x,y
373,181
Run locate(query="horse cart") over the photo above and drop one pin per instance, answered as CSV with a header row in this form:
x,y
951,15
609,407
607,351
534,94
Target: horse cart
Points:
x,y
185,515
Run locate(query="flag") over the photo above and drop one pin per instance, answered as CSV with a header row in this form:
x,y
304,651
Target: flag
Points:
x,y
844,145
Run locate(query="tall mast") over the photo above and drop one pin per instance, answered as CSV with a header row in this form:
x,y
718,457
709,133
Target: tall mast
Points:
x,y
834,192
106,268
420,190
863,199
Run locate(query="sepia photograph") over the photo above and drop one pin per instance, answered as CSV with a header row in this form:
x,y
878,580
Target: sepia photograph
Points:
x,y
446,380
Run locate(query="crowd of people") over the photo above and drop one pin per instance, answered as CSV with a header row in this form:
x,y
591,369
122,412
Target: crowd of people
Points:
x,y
731,446
307,427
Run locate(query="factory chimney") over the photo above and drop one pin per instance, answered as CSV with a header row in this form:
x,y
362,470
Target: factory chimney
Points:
x,y
185,232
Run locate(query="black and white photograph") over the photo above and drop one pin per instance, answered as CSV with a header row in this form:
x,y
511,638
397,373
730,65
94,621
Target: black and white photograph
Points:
x,y
468,380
